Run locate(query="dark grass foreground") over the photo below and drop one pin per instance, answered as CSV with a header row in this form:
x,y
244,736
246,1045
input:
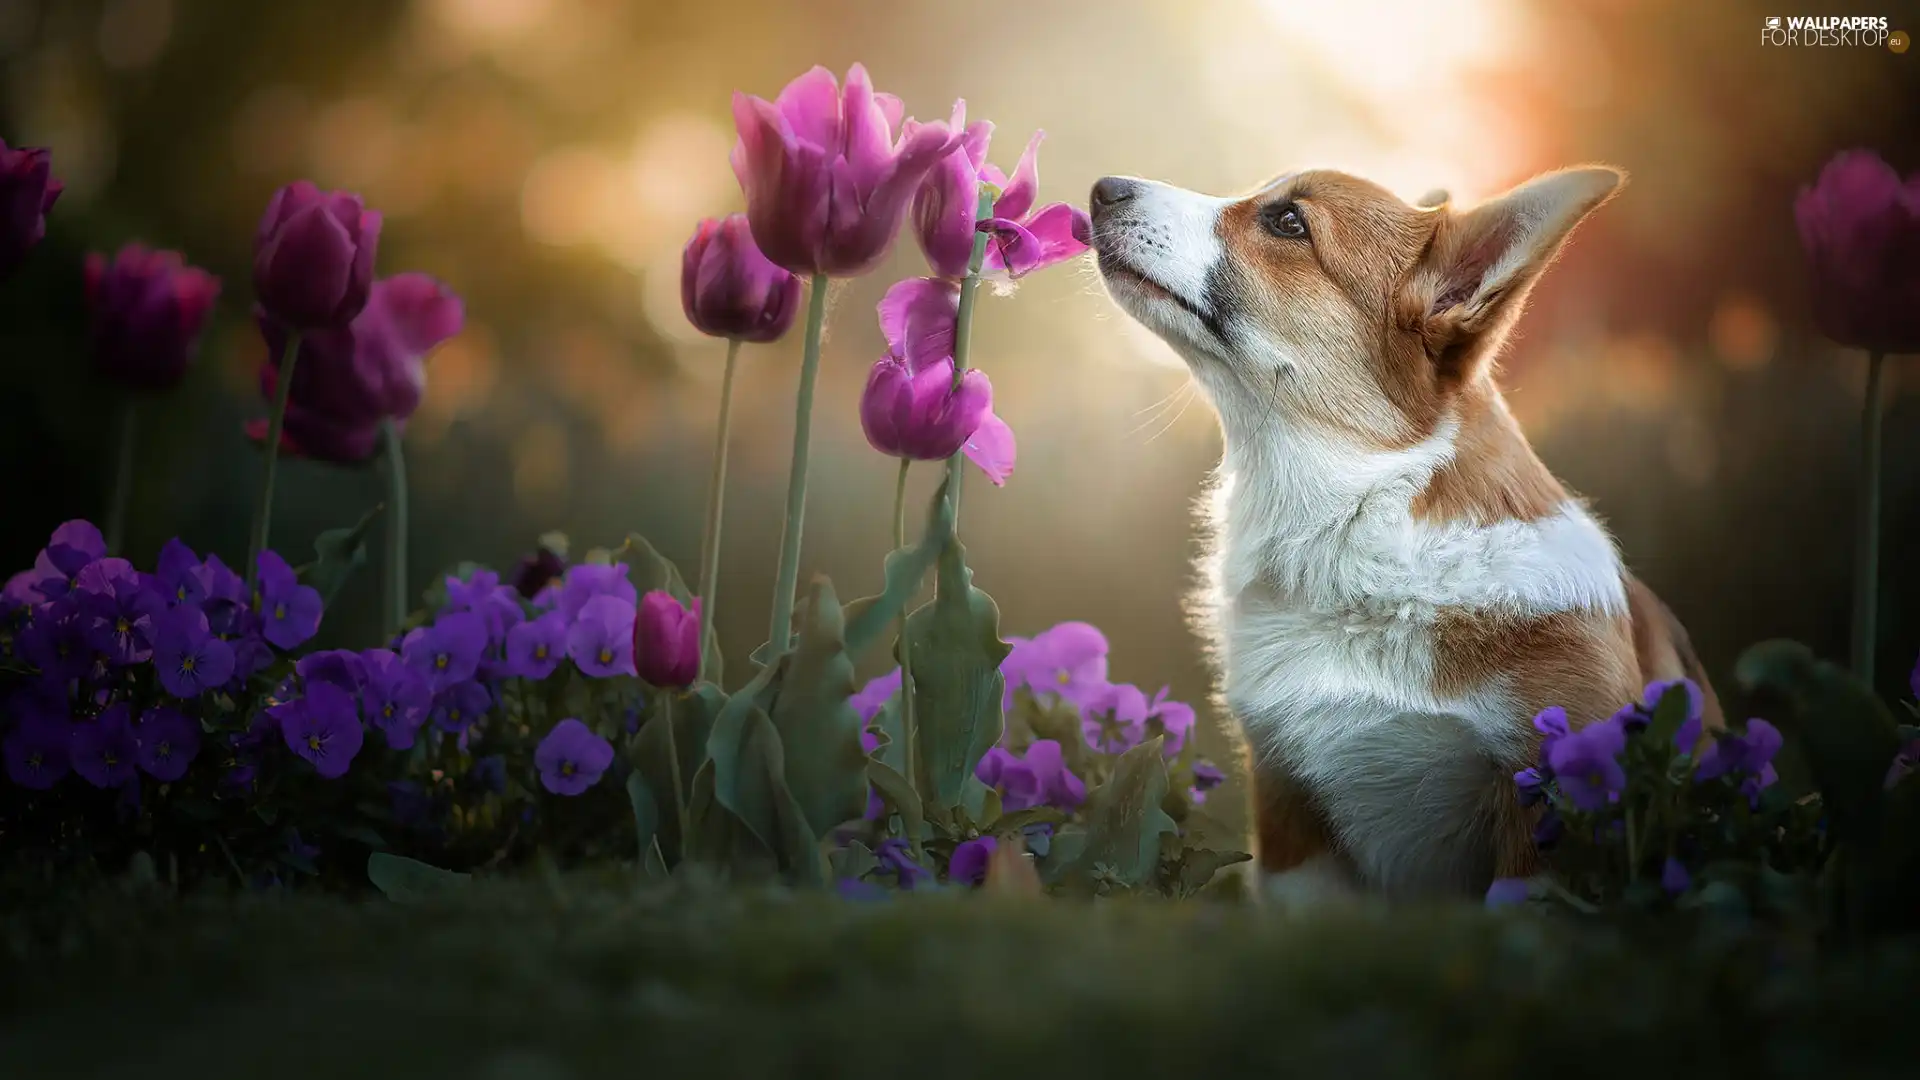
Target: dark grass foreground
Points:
x,y
582,981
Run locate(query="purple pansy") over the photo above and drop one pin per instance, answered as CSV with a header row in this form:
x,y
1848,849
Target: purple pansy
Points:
x,y
105,753
874,696
1041,777
456,708
1069,659
601,640
167,743
1532,783
38,751
323,726
968,866
396,697
1674,877
586,581
343,668
1551,723
571,758
449,651
1206,777
896,860
177,575
1114,717
1175,718
289,611
117,611
1587,765
1749,752
536,647
1507,892
56,642
188,659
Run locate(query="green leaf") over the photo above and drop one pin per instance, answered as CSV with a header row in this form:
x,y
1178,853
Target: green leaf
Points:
x,y
646,825
1842,731
692,717
651,571
1668,714
1064,853
826,767
1196,868
904,572
1019,820
899,796
337,554
853,862
749,781
1124,817
720,843
957,683
361,834
408,881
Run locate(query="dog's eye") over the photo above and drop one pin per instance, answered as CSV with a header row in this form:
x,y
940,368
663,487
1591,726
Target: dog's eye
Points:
x,y
1284,220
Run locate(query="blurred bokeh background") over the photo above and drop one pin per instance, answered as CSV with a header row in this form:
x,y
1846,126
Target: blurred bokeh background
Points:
x,y
548,158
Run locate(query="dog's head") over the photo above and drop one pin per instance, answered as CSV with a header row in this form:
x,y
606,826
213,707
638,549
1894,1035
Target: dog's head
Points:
x,y
1322,300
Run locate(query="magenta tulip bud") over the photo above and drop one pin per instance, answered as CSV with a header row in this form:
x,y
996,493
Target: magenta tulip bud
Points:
x,y
1861,229
313,257
148,308
349,379
666,641
827,182
27,192
920,414
730,290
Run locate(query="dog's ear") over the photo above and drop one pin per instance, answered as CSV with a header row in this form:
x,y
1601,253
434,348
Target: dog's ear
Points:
x,y
1473,280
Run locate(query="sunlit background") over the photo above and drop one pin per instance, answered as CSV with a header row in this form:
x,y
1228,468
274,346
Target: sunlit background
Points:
x,y
549,158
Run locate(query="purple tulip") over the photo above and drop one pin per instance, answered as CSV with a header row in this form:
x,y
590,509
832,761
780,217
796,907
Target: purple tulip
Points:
x,y
27,193
168,742
395,696
323,727
1860,226
350,378
105,753
601,640
729,290
571,758
313,257
666,641
918,318
968,866
921,415
1022,239
827,183
188,659
148,308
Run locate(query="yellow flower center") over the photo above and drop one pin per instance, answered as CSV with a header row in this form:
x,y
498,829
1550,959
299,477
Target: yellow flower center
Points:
x,y
110,758
164,750
566,768
540,651
123,625
453,715
313,742
279,611
441,661
180,593
387,711
186,663
606,656
35,759
1064,677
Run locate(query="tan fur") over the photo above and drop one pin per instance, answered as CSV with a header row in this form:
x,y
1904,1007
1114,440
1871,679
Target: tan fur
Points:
x,y
1495,475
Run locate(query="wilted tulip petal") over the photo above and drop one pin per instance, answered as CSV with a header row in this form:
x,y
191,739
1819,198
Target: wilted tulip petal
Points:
x,y
1860,226
991,446
27,191
148,309
918,317
729,289
313,257
1022,240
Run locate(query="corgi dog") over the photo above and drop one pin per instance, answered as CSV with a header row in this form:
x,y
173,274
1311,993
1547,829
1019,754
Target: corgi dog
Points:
x,y
1395,584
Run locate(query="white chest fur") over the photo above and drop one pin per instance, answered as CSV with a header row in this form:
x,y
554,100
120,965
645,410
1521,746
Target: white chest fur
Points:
x,y
1323,592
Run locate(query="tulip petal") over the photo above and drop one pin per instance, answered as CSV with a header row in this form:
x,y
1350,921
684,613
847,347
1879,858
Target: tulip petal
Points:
x,y
1057,233
1023,187
307,267
893,109
917,319
947,202
869,137
810,105
992,448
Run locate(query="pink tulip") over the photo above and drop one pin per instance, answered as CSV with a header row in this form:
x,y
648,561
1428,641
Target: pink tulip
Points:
x,y
827,181
148,309
921,415
917,318
313,257
27,192
1861,229
1022,239
666,640
730,290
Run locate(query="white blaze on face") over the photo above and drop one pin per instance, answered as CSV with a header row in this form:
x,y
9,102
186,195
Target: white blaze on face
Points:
x,y
1167,235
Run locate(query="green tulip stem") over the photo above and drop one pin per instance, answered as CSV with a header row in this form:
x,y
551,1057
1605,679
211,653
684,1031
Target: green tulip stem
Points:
x,y
786,580
963,334
908,733
673,764
263,512
396,527
1867,554
122,479
716,497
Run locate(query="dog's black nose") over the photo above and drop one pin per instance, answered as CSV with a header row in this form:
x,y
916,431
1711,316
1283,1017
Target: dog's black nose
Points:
x,y
1111,191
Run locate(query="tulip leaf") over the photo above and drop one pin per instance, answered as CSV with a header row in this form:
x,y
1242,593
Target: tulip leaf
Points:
x,y
720,842
853,862
1064,849
1196,868
890,723
651,571
905,571
646,826
691,716
957,685
899,797
748,778
337,554
407,881
826,767
1124,818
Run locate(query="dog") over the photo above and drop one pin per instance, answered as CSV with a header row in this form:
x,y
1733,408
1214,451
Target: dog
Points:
x,y
1395,584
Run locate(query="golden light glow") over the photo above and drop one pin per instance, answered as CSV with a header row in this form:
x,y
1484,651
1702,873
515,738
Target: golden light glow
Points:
x,y
269,131
460,377
354,141
540,461
133,33
1744,334
566,194
489,19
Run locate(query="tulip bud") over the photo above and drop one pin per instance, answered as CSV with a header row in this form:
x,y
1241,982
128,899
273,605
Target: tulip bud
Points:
x,y
27,192
922,415
666,640
149,308
730,290
1861,229
313,257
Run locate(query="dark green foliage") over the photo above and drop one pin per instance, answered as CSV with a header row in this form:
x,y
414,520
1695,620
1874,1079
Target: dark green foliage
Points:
x,y
337,554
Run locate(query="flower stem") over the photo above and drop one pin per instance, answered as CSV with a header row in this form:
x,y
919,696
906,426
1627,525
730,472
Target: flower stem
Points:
x,y
396,527
963,333
1867,553
907,722
788,576
263,512
122,480
716,497
673,763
